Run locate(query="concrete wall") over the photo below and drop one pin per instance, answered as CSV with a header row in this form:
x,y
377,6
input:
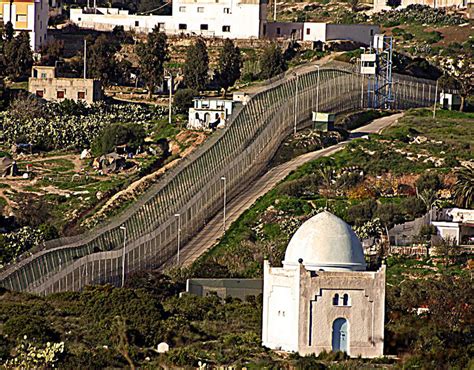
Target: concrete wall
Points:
x,y
70,86
235,288
362,33
314,31
286,30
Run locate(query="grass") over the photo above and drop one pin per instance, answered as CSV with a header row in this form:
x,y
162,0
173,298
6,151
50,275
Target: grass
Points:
x,y
241,250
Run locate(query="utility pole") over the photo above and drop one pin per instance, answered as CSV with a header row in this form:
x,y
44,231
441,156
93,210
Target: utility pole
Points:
x,y
85,59
223,178
178,216
123,253
169,78
274,10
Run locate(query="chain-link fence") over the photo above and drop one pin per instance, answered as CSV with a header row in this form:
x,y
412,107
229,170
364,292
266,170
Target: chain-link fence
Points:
x,y
194,189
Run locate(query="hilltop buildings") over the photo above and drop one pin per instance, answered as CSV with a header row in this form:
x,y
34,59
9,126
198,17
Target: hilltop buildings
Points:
x,y
46,85
322,299
27,15
240,19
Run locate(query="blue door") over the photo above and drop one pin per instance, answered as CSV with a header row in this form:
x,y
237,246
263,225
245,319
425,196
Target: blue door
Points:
x,y
339,335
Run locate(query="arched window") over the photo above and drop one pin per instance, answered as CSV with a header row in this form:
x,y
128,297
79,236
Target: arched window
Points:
x,y
345,300
335,300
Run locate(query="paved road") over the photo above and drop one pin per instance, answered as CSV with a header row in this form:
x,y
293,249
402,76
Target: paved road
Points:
x,y
211,233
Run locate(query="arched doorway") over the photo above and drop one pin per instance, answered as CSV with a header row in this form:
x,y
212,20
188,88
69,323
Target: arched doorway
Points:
x,y
340,335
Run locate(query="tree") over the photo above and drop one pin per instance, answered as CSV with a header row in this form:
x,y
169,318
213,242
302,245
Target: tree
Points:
x,y
464,187
118,134
9,31
229,65
272,62
183,100
354,5
52,52
101,63
152,55
196,66
18,56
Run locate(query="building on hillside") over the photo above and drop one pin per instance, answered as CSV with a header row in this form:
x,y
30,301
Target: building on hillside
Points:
x,y
235,288
209,113
450,101
380,5
323,299
46,85
27,15
323,32
456,224
240,19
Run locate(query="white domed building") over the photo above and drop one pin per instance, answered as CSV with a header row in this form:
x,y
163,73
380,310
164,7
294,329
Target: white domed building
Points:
x,y
323,299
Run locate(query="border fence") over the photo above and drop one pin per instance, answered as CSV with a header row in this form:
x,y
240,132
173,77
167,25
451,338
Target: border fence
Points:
x,y
193,189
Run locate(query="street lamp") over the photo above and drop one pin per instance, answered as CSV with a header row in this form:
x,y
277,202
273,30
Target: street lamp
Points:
x,y
225,195
178,216
123,253
169,78
296,102
435,100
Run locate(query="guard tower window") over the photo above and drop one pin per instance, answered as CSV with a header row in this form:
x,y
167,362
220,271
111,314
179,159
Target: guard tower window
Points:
x,y
308,31
345,300
335,300
204,27
182,26
137,23
225,28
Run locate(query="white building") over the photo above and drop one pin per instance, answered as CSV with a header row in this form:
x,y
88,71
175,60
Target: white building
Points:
x,y
312,31
209,113
322,299
456,224
239,19
27,15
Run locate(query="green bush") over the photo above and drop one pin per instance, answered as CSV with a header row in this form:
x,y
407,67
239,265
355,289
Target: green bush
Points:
x,y
183,100
133,135
36,328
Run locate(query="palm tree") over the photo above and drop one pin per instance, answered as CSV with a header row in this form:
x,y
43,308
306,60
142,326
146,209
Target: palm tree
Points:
x,y
464,187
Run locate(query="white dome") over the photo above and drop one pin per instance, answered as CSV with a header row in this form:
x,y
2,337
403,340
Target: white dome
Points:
x,y
325,242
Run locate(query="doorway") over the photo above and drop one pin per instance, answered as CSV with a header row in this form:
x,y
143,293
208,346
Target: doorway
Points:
x,y
340,335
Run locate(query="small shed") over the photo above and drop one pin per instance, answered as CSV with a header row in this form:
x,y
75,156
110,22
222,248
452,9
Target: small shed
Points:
x,y
450,101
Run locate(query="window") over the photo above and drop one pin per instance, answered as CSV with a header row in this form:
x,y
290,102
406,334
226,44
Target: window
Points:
x,y
79,19
335,300
161,26
227,10
81,95
371,32
308,31
137,23
21,18
278,30
204,27
225,28
182,26
345,300
182,9
200,9
39,93
44,75
60,95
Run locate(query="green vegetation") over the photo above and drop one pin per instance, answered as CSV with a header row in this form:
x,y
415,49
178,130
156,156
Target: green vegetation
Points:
x,y
374,178
118,327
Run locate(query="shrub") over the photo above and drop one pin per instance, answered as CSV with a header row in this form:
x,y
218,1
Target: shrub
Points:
x,y
35,328
183,100
428,181
362,212
133,135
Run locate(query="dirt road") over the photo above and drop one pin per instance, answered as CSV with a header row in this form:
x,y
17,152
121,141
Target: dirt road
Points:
x,y
211,233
